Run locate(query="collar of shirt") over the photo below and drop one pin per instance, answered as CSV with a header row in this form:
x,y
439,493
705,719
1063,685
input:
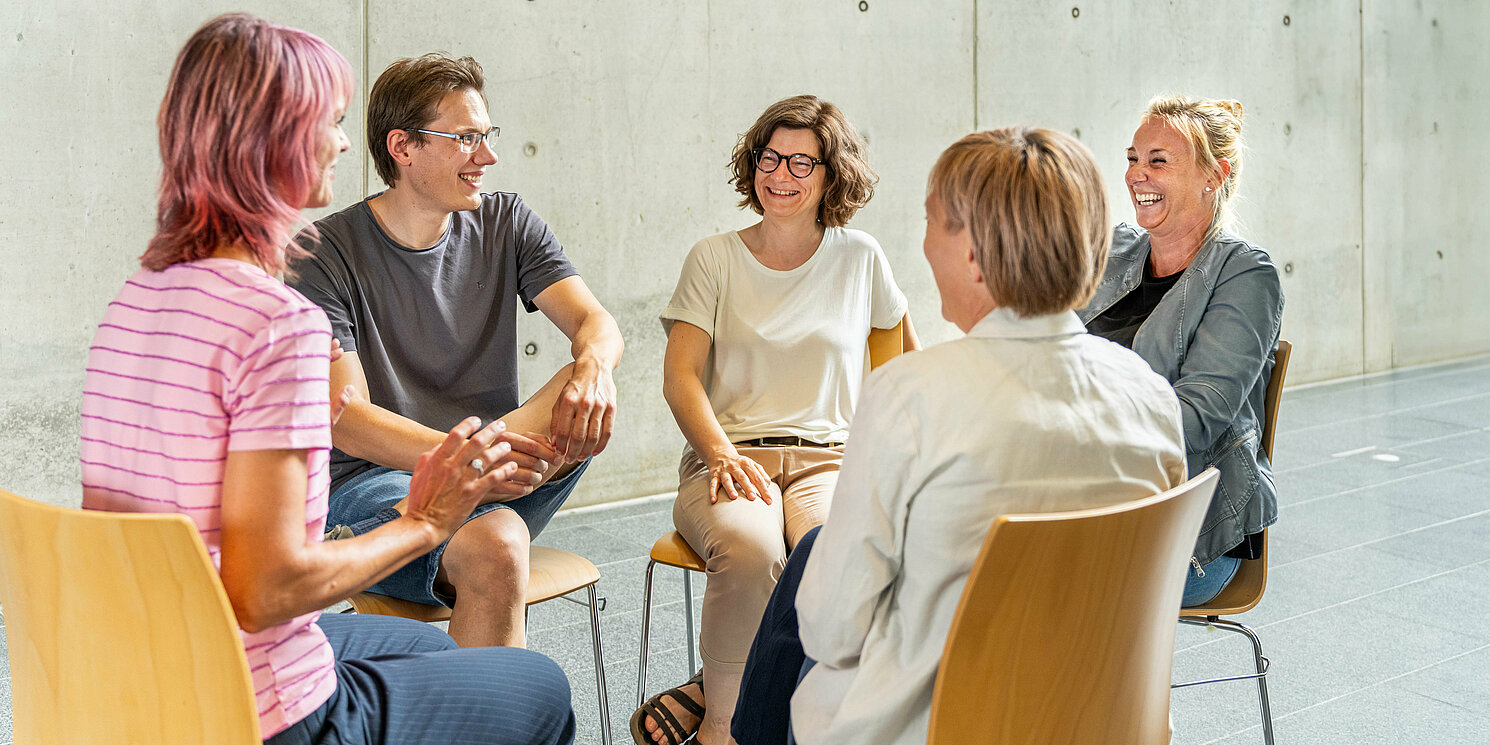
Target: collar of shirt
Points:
x,y
1003,323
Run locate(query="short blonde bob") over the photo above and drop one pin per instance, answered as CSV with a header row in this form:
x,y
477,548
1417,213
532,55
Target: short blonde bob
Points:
x,y
1034,204
850,180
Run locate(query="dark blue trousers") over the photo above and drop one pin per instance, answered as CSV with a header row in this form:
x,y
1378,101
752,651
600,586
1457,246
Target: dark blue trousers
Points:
x,y
403,682
776,661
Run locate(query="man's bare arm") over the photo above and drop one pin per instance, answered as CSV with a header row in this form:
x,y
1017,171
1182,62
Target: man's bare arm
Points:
x,y
375,434
584,414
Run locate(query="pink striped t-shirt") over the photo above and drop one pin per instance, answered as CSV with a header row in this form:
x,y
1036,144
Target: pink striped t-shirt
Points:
x,y
188,364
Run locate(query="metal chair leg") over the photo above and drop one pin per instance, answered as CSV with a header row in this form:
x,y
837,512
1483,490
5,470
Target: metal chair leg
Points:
x,y
688,613
1261,661
1262,669
641,666
605,736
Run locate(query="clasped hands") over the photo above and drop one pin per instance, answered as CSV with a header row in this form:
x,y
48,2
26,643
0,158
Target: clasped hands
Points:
x,y
512,464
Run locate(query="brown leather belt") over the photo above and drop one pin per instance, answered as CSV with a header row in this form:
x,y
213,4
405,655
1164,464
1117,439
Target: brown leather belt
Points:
x,y
786,441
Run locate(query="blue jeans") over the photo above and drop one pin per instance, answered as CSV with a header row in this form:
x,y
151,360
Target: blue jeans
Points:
x,y
366,501
776,662
403,682
1203,586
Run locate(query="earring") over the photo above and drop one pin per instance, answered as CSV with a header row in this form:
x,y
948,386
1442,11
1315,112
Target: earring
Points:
x,y
1208,190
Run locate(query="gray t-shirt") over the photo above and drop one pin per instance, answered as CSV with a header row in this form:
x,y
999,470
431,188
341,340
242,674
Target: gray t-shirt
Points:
x,y
436,329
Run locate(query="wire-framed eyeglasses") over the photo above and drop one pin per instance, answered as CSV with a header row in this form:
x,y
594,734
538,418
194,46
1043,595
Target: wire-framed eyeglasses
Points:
x,y
798,164
470,140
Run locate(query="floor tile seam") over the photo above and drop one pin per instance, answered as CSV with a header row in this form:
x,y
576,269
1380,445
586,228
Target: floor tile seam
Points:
x,y
1310,466
614,562
1354,489
645,551
1373,380
1460,707
1363,689
1394,536
607,506
1388,413
604,615
1440,438
613,537
1386,590
1296,616
1340,457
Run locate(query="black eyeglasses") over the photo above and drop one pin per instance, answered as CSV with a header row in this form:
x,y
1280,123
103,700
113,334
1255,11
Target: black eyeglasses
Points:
x,y
470,140
798,164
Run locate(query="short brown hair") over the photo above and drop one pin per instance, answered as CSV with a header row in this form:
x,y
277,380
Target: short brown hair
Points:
x,y
1214,129
850,180
407,96
1033,202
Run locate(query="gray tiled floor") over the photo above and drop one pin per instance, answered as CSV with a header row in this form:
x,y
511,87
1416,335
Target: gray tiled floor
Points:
x,y
1378,597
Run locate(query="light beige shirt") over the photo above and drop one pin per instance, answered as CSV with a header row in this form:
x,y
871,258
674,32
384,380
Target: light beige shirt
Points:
x,y
1021,415
788,350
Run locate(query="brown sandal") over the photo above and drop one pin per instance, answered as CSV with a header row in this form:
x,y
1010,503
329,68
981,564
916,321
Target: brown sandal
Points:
x,y
672,730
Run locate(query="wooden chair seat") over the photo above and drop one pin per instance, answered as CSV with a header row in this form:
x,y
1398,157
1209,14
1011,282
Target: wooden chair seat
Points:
x,y
1242,594
673,551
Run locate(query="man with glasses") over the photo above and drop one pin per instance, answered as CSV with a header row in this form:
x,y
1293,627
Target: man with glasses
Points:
x,y
421,284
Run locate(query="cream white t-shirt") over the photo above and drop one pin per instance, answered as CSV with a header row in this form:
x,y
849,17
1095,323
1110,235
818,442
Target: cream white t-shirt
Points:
x,y
788,355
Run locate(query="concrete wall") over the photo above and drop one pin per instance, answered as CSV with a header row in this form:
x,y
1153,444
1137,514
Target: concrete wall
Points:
x,y
618,118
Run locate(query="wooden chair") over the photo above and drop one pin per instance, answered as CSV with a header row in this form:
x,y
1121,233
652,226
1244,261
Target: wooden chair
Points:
x,y
885,344
1245,590
552,573
119,631
671,550
1065,631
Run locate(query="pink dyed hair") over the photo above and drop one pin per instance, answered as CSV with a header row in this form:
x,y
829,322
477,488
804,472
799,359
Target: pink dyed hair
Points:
x,y
242,118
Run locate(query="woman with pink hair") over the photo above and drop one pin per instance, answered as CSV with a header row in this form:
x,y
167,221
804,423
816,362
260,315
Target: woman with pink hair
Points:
x,y
207,395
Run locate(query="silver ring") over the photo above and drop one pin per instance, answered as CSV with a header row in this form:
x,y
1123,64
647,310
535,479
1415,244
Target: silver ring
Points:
x,y
479,465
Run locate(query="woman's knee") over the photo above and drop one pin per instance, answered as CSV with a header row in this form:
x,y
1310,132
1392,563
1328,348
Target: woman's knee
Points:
x,y
749,558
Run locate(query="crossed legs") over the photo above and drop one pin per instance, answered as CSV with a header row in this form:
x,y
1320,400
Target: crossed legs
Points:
x,y
482,571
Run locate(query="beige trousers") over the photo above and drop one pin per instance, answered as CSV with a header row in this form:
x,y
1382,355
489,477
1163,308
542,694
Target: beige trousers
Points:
x,y
745,543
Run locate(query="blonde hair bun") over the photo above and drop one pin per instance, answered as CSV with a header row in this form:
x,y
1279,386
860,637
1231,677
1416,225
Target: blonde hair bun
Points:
x,y
1231,105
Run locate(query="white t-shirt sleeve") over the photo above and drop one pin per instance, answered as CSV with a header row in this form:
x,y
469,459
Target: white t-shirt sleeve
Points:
x,y
887,304
696,298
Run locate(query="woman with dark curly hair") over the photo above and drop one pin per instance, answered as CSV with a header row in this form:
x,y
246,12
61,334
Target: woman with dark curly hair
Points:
x,y
765,357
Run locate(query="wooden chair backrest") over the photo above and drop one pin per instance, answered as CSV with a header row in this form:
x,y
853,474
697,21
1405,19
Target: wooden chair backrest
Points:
x,y
118,630
1065,631
886,344
1245,590
1273,396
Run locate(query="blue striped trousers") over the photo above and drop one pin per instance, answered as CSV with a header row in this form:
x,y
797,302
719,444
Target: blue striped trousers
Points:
x,y
402,682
